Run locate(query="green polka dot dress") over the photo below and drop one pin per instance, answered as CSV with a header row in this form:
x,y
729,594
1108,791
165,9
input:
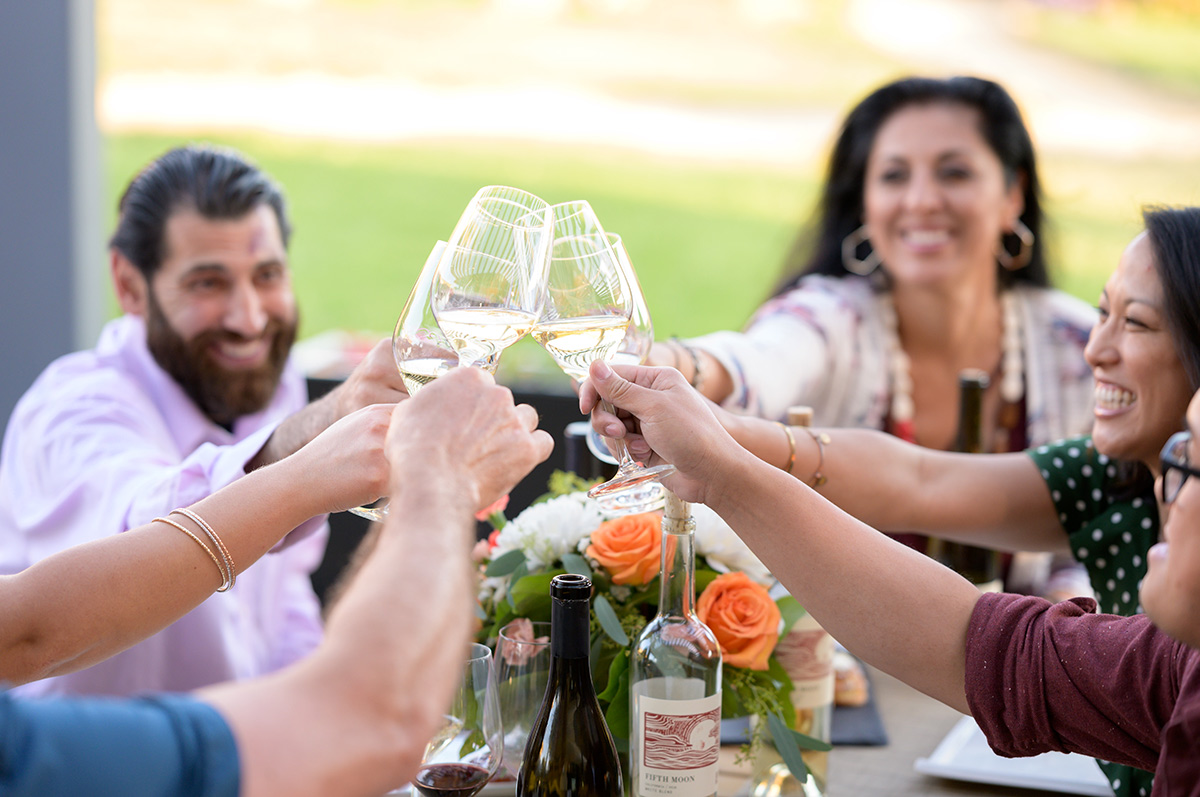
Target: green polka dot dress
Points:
x,y
1110,537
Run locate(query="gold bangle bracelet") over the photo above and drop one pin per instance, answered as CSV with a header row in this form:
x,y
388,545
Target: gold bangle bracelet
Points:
x,y
791,463
200,542
822,440
230,571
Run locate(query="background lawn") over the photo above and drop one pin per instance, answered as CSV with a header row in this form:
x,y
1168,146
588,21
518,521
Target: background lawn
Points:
x,y
708,239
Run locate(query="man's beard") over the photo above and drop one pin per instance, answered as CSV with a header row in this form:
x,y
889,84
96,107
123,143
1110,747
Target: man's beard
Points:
x,y
222,394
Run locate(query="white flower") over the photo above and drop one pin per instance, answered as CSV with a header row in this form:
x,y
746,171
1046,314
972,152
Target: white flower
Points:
x,y
550,529
723,549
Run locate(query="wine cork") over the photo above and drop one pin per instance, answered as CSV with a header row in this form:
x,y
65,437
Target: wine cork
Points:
x,y
800,415
677,514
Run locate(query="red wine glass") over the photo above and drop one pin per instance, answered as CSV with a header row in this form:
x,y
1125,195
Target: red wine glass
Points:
x,y
467,750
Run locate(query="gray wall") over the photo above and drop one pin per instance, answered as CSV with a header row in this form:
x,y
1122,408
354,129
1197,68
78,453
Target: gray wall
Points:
x,y
52,294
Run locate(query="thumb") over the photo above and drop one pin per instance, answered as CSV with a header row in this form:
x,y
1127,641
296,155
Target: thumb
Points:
x,y
616,389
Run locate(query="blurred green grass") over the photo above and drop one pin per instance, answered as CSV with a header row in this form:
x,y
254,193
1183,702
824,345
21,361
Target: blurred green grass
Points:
x,y
1155,41
707,241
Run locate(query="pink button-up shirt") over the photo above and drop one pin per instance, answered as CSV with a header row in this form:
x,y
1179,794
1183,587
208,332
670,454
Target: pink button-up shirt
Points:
x,y
104,441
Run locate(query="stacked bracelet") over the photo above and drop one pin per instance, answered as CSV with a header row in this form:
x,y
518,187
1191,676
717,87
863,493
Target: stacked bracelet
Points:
x,y
225,565
822,440
199,542
791,438
229,575
697,373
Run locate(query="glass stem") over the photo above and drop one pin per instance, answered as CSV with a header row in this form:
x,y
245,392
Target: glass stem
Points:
x,y
625,461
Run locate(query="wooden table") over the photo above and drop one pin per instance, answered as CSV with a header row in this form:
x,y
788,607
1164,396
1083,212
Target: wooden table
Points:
x,y
915,725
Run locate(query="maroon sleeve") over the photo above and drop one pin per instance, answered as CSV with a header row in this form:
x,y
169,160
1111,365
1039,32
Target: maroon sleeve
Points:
x,y
1043,676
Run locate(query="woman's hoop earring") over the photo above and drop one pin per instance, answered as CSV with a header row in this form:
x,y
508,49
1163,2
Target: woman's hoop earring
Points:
x,y
1021,259
850,258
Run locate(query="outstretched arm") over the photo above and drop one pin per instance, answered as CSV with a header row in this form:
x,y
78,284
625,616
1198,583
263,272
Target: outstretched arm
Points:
x,y
374,381
89,602
355,716
897,609
999,500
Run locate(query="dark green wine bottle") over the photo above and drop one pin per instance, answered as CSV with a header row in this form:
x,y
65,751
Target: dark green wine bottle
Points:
x,y
980,566
570,752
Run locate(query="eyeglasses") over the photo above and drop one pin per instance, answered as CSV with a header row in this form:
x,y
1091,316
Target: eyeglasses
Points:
x,y
1175,468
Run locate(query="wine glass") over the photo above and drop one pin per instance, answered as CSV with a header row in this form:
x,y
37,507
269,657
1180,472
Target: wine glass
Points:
x,y
523,670
421,351
587,303
634,349
488,286
464,754
628,491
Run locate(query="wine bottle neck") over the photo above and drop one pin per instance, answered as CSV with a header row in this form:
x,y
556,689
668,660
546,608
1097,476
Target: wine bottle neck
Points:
x,y
677,589
569,632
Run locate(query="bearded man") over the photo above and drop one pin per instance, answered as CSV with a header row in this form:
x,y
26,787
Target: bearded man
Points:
x,y
187,391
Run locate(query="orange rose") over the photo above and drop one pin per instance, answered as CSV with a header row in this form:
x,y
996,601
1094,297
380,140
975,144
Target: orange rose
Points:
x,y
743,617
629,547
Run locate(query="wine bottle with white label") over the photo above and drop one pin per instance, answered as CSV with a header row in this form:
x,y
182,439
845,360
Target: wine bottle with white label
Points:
x,y
675,680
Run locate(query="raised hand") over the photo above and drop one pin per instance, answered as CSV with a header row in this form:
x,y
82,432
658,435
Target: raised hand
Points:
x,y
375,380
466,428
666,421
346,462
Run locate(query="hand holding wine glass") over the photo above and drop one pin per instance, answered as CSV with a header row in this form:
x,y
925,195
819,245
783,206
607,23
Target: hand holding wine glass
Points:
x,y
634,488
466,751
633,350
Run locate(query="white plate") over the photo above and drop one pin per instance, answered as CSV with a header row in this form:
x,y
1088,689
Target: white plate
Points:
x,y
964,755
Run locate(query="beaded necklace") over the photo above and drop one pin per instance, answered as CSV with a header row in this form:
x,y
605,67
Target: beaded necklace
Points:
x,y
1012,365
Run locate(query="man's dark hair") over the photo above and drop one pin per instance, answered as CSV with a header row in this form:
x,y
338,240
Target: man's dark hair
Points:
x,y
217,183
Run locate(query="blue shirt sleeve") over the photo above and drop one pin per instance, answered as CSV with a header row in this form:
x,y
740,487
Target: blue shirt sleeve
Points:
x,y
158,745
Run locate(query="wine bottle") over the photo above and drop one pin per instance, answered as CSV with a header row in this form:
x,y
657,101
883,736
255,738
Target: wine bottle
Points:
x,y
980,566
570,751
675,679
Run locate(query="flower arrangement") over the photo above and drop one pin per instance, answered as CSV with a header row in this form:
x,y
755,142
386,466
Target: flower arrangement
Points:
x,y
565,531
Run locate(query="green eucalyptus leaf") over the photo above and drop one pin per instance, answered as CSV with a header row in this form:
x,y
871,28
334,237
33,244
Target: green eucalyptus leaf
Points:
x,y
617,714
609,622
531,595
519,572
704,578
791,611
618,668
505,563
811,743
785,744
574,563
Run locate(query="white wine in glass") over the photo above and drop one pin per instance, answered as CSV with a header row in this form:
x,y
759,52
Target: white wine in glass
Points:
x,y
587,304
633,350
421,352
489,283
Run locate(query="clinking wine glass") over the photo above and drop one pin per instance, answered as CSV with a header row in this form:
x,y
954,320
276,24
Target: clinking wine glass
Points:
x,y
629,490
464,754
587,304
487,290
634,349
421,351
